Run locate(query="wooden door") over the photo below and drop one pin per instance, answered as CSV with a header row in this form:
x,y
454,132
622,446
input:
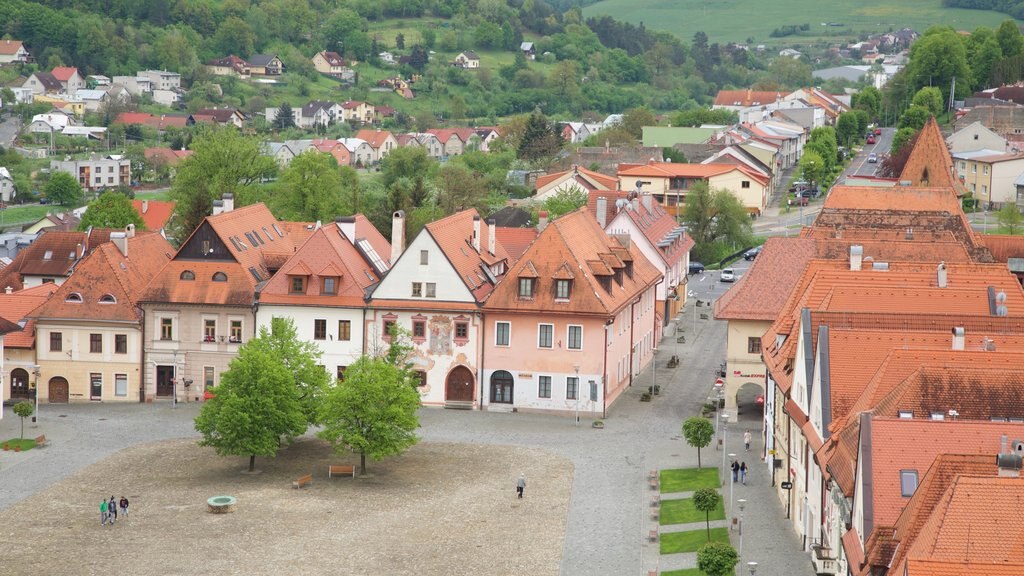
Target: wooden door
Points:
x,y
58,390
164,380
459,386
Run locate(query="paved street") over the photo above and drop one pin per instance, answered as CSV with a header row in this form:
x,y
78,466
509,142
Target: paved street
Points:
x,y
608,516
9,130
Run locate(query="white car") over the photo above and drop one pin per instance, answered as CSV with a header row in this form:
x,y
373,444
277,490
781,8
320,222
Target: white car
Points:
x,y
727,275
872,158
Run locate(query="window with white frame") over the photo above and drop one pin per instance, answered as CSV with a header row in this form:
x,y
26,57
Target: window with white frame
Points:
x,y
908,483
544,387
502,333
545,335
572,387
575,338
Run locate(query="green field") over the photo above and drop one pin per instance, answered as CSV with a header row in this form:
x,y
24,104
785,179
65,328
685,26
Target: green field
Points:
x,y
738,20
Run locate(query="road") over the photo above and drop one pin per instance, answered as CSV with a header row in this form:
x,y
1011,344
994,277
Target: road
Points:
x,y
860,166
9,131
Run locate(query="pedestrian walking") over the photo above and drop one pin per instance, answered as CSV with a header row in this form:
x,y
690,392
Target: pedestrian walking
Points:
x,y
746,440
520,485
735,470
112,509
743,472
103,512
124,506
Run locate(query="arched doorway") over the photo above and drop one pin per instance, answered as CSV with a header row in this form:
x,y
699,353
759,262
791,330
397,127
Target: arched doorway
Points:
x,y
502,385
750,401
459,385
58,390
19,383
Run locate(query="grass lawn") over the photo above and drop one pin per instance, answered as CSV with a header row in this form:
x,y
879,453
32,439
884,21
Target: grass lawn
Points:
x,y
23,444
690,572
26,214
733,21
676,542
689,479
682,511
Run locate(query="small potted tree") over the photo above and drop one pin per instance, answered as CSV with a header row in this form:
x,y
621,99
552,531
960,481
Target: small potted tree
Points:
x,y
23,410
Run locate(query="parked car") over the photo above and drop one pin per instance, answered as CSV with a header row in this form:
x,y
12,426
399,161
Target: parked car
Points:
x,y
878,131
44,200
752,253
727,275
871,138
802,200
872,158
696,267
808,193
798,185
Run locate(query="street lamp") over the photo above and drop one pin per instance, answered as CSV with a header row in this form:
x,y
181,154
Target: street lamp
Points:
x,y
743,503
576,367
731,486
752,566
35,412
725,424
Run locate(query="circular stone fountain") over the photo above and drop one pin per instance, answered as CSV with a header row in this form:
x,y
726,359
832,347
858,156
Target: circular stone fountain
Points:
x,y
221,504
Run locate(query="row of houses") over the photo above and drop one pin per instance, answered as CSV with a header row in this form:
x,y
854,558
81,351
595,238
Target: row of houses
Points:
x,y
370,146
885,340
89,93
556,317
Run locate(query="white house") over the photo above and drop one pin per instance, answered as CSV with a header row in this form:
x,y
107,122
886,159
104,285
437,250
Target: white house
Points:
x,y
7,191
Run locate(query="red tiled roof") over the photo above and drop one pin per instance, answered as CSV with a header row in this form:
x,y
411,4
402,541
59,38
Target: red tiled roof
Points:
x,y
902,198
929,163
1003,247
63,73
168,155
746,97
660,229
10,47
17,306
375,138
588,178
333,58
155,213
761,293
453,236
158,122
677,170
515,240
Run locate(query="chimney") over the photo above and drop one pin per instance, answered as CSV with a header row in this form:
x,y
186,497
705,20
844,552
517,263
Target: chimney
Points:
x,y
492,242
856,256
229,201
636,204
218,207
347,226
79,251
958,338
542,220
8,290
648,203
120,239
145,206
476,233
602,211
1008,461
317,225
941,273
129,231
909,235
397,235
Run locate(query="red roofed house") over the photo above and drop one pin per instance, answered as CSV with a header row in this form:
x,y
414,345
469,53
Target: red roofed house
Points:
x,y
360,112
738,100
382,142
155,213
70,80
89,333
217,116
576,177
160,123
329,63
571,323
13,51
199,308
322,287
435,290
19,346
669,182
51,258
229,66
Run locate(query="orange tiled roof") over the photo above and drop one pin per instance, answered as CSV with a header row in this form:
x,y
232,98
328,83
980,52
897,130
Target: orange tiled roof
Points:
x,y
1003,247
155,213
453,236
588,178
515,240
577,243
17,306
929,163
902,198
747,97
660,229
168,155
63,73
375,138
761,293
107,272
10,47
145,119
677,170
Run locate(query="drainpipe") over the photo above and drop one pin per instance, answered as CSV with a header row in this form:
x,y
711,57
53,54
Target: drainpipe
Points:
x,y
654,317
632,341
142,360
604,369
481,329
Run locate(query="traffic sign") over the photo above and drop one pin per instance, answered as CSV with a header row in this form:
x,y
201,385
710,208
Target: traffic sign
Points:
x,y
719,382
787,485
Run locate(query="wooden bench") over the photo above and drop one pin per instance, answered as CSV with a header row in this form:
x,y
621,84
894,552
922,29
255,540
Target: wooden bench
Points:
x,y
41,441
655,501
652,474
333,471
652,535
653,482
302,481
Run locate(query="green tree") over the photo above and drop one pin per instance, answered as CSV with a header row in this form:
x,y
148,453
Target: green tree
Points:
x,y
564,201
813,167
111,210
790,72
373,412
234,36
310,189
869,99
261,400
301,358
938,57
847,131
564,81
929,97
540,138
706,500
698,432
223,161
460,188
62,188
400,41
23,410
902,137
717,221
1010,220
634,120
284,119
823,140
717,558
1009,38
914,117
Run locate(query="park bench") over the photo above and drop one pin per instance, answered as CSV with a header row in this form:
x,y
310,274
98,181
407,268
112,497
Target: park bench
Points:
x,y
652,474
653,482
655,501
652,535
302,481
41,441
333,471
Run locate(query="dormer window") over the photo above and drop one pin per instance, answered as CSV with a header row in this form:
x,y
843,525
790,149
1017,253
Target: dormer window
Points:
x,y
618,276
526,287
187,275
48,255
220,277
629,269
74,297
108,299
329,285
298,284
562,289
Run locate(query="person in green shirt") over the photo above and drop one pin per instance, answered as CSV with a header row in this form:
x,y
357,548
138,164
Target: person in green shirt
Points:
x,y
103,513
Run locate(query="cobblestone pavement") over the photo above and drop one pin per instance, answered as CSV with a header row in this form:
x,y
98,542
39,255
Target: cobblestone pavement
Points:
x,y
609,514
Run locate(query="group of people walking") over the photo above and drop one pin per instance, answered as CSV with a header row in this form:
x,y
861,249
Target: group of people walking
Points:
x,y
108,510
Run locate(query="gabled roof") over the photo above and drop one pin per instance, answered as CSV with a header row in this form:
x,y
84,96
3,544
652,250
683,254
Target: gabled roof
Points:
x,y
747,97
470,55
107,274
220,115
515,240
588,179
261,59
352,104
453,235
678,170
328,252
929,163
54,253
145,119
761,293
64,73
10,47
155,213
49,81
575,243
333,58
168,155
375,138
658,228
17,306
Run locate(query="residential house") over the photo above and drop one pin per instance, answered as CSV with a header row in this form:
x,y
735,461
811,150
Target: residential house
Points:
x,y
669,182
94,132
217,116
662,241
89,333
70,80
19,346
54,121
740,156
155,214
164,155
314,114
331,146
359,112
571,323
360,152
400,85
487,135
13,51
51,258
330,63
43,83
97,173
433,146
63,221
669,136
976,136
135,85
265,65
790,53
387,58
467,59
528,50
435,289
1007,121
577,132
737,100
200,307
817,97
162,79
990,175
229,66
322,287
159,123
578,178
91,99
381,141
456,141
169,98
7,191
